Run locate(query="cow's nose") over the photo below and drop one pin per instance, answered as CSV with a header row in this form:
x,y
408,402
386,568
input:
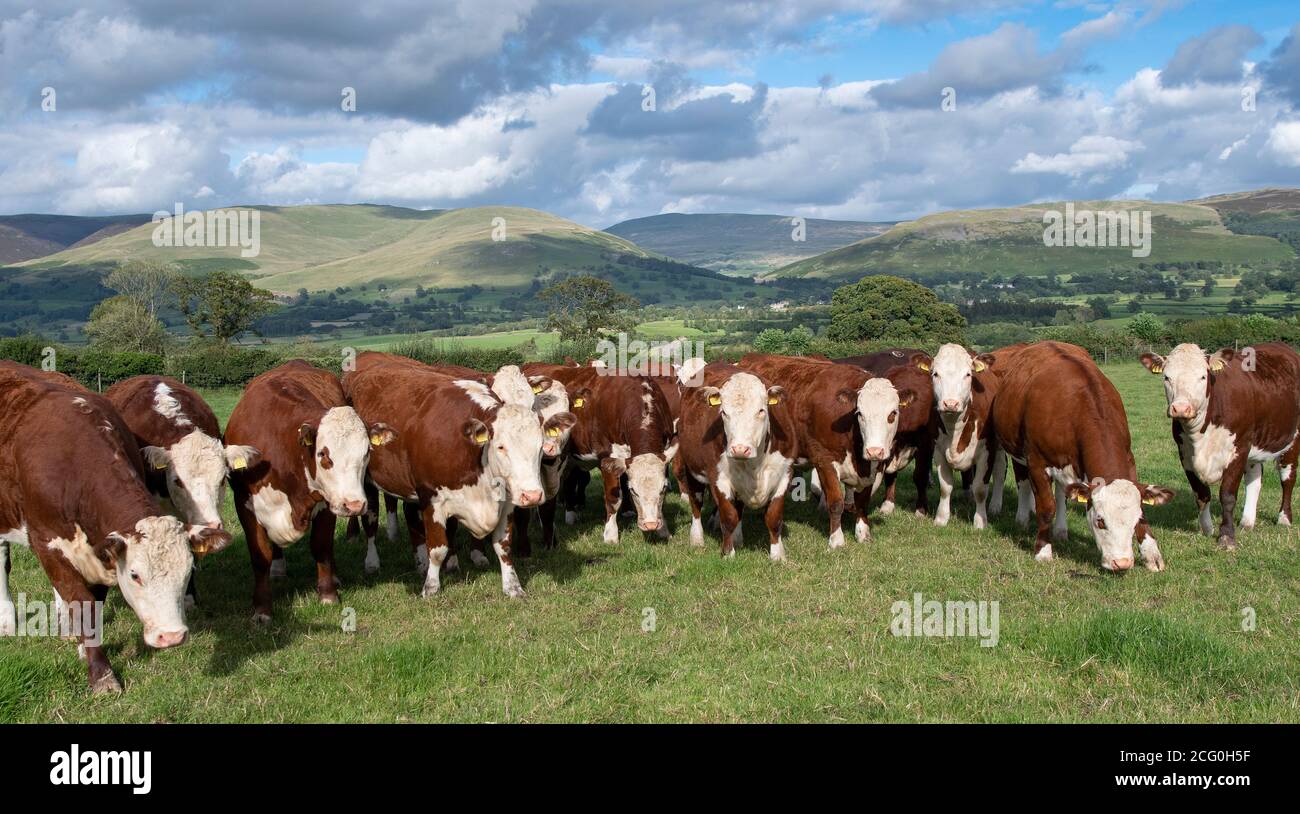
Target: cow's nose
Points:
x,y
1180,409
351,508
876,453
741,451
549,450
951,405
169,638
648,525
530,498
1121,564
217,525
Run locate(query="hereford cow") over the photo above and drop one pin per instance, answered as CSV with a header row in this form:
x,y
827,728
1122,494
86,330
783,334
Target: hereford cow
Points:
x,y
624,427
1232,412
964,390
180,439
737,437
314,454
78,498
462,453
1062,421
845,423
918,425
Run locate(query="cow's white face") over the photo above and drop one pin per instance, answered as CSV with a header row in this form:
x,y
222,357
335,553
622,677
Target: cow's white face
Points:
x,y
341,451
743,403
647,480
511,386
1186,373
1114,510
550,402
878,407
514,453
952,372
153,567
195,469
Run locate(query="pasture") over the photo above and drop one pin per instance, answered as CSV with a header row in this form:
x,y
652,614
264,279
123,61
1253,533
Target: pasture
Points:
x,y
737,640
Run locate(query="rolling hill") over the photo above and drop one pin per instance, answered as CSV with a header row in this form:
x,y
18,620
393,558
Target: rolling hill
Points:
x,y
24,237
1009,242
741,245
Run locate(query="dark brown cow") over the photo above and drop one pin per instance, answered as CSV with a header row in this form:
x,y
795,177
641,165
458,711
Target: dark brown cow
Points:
x,y
845,421
1233,412
1084,449
77,497
314,453
623,427
180,439
918,427
737,437
462,453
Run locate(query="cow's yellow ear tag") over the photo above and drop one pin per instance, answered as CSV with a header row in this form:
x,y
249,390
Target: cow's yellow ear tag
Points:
x,y
537,388
1216,365
481,436
979,366
553,432
715,401
773,400
924,366
241,463
1149,501
1081,498
902,404
578,402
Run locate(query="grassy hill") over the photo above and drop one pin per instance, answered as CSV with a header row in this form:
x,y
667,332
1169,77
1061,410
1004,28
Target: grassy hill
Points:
x,y
743,245
1009,242
24,237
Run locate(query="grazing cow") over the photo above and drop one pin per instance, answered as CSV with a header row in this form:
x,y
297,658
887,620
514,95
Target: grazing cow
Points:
x,y
461,453
1062,421
1232,412
314,454
845,421
964,390
737,437
185,460
623,427
918,425
72,488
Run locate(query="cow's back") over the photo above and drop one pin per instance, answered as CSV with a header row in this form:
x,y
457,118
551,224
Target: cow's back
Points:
x,y
881,362
161,410
276,403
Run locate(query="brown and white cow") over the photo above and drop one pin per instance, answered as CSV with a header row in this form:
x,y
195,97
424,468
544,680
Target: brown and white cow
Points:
x,y
1062,423
918,424
186,461
737,438
845,421
964,390
1232,413
72,488
461,453
623,427
314,453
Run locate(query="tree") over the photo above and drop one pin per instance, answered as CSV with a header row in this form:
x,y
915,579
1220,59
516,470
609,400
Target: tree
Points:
x,y
221,304
119,323
1147,327
770,340
892,308
144,281
584,307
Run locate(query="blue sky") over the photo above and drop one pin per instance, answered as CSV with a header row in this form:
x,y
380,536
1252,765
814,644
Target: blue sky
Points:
x,y
826,108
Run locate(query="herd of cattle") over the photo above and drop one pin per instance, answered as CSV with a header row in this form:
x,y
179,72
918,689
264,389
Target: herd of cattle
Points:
x,y
458,447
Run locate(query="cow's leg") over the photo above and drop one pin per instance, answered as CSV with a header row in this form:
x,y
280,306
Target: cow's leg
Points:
x,y
774,518
613,483
546,518
980,486
415,529
1024,495
944,509
8,613
1203,497
889,481
729,518
260,554
997,481
921,466
390,518
1286,466
279,568
435,538
1228,499
834,494
520,545
510,585
693,495
191,590
370,522
322,550
574,491
1151,557
100,672
1044,507
815,487
1254,482
1060,522
477,548
862,509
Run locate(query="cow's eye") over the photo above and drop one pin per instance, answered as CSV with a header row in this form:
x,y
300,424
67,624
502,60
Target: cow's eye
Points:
x,y
135,577
1101,524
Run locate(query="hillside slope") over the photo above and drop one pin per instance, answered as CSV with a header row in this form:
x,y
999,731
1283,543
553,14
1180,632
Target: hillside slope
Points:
x,y
24,237
737,244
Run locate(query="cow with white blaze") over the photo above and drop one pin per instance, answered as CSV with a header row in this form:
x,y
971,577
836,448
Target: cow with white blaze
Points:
x,y
1233,412
78,499
964,391
737,438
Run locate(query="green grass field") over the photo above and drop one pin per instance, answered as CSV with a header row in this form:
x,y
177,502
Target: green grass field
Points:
x,y
738,640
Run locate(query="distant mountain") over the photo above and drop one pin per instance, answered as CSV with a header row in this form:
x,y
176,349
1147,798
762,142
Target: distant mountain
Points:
x,y
743,245
24,237
1008,242
1255,202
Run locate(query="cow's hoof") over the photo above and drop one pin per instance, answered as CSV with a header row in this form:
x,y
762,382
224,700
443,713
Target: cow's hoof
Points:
x,y
921,513
837,539
570,518
1227,543
107,684
478,558
1244,526
1283,520
1060,535
728,553
978,522
887,508
8,619
278,569
777,553
429,591
515,591
452,563
371,568
1044,554
862,532
330,598
261,618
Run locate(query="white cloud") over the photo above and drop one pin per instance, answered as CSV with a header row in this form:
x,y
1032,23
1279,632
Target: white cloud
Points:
x,y
1087,155
1284,141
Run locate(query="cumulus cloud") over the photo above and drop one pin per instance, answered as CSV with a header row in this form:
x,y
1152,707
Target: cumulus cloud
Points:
x,y
1087,155
1215,56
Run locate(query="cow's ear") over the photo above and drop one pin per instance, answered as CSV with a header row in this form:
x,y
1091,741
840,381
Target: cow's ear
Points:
x,y
1153,362
558,423
476,431
922,361
539,383
670,452
711,396
205,540
1154,495
905,397
1221,359
239,457
1079,491
307,435
847,396
775,394
982,362
156,457
111,549
381,433
581,398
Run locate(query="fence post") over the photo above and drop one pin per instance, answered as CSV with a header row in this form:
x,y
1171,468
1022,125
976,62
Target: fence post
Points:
x,y
99,382
182,377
